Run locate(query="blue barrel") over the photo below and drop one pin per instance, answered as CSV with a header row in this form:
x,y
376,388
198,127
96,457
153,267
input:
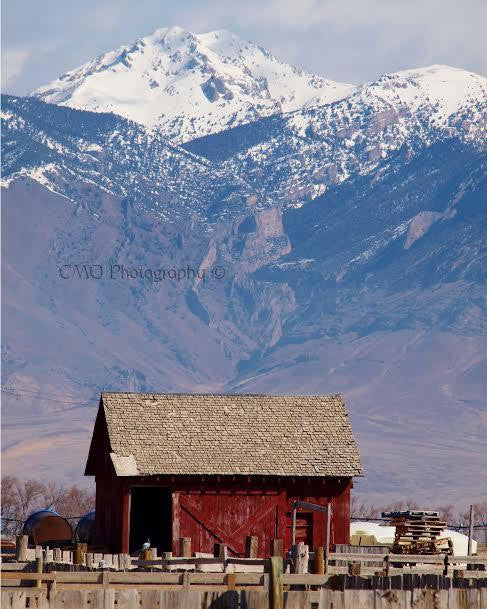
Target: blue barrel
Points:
x,y
85,531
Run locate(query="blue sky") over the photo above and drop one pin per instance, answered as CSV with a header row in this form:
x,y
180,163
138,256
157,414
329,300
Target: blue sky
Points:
x,y
347,40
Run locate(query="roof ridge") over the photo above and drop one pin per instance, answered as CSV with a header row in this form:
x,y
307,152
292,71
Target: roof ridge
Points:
x,y
254,395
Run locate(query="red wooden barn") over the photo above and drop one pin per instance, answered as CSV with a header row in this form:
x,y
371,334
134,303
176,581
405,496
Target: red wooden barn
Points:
x,y
217,468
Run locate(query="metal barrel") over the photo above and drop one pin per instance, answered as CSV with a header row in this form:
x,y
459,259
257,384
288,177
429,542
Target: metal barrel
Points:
x,y
47,527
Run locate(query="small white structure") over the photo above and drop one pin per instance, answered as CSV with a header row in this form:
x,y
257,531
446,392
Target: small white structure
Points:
x,y
384,535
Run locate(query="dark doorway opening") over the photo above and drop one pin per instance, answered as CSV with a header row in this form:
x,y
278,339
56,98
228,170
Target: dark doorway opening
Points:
x,y
150,518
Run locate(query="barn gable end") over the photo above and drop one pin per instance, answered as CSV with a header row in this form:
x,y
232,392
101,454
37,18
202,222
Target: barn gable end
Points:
x,y
98,462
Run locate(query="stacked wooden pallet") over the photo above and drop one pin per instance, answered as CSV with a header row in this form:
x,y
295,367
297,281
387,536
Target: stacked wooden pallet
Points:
x,y
417,532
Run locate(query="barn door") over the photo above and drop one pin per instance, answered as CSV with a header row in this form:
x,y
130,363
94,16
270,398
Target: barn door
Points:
x,y
221,526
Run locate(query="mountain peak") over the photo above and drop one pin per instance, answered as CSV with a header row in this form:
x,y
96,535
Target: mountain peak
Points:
x,y
188,85
439,89
173,34
438,69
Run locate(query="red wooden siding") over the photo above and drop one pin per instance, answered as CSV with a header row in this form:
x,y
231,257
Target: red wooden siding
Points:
x,y
226,509
111,513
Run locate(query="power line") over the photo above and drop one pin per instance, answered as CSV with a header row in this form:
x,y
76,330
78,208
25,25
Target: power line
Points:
x,y
52,400
22,521
26,390
452,526
25,393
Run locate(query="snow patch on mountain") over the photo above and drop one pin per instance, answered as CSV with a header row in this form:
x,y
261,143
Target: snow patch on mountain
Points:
x,y
44,175
189,85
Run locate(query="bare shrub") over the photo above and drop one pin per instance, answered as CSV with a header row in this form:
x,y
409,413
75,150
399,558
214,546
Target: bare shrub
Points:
x,y
22,497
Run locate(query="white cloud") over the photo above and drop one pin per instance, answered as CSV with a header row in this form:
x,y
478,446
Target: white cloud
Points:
x,y
348,40
351,40
13,62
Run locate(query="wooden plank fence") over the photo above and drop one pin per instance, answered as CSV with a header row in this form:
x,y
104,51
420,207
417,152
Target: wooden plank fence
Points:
x,y
300,560
62,579
244,592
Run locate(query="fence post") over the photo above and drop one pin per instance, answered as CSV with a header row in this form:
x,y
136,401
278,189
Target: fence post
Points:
x,y
293,529
470,530
105,578
221,551
38,583
78,555
167,556
186,580
108,559
293,554
328,534
277,596
445,570
302,558
354,568
21,544
319,560
185,547
51,590
277,547
146,555
84,549
251,546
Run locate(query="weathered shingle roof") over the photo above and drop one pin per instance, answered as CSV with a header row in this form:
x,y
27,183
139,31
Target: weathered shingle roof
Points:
x,y
229,434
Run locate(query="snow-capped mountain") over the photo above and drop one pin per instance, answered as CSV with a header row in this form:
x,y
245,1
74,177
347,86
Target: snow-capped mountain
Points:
x,y
188,85
286,159
295,157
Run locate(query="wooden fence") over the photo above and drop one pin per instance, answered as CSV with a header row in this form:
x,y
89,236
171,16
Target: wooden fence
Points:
x,y
338,563
134,590
304,580
299,560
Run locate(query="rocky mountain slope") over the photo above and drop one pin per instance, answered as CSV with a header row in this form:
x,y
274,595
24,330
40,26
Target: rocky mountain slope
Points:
x,y
72,152
187,85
